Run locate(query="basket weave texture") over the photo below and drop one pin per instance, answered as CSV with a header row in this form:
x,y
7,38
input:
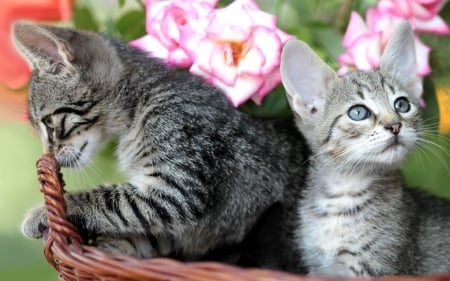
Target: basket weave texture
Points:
x,y
65,251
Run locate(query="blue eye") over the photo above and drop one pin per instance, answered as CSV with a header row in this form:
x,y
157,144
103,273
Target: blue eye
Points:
x,y
358,112
402,105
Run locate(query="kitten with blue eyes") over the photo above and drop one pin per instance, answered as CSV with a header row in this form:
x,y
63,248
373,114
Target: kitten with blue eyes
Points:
x,y
356,218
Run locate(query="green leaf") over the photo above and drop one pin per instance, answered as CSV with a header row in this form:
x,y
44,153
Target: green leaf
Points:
x,y
267,5
110,27
439,56
223,3
274,105
430,113
131,25
330,41
83,19
121,3
288,18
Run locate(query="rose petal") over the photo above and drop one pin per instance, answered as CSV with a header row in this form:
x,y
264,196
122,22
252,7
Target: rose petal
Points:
x,y
242,90
252,63
344,69
271,80
169,23
364,52
345,58
152,45
435,25
356,28
219,68
179,58
422,54
271,49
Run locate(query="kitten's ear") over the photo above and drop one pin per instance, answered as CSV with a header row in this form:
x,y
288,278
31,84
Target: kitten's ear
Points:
x,y
41,48
305,77
399,59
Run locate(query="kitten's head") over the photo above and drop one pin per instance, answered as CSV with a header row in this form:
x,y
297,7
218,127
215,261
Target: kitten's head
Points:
x,y
67,88
364,119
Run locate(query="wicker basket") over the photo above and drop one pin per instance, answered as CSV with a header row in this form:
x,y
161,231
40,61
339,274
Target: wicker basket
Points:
x,y
65,251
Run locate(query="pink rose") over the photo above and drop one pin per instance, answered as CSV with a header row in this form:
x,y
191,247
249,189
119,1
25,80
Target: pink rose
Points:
x,y
365,43
167,23
236,48
362,44
422,14
384,24
240,52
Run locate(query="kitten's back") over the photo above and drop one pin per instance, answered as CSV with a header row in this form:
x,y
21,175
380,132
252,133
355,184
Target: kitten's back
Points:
x,y
432,225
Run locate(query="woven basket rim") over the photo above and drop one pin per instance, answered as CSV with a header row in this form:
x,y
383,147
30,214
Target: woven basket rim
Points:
x,y
65,251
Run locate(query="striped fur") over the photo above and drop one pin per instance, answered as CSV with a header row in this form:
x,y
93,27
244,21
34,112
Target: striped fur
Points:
x,y
200,172
356,218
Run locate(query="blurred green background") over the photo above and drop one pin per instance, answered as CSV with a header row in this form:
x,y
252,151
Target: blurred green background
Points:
x,y
21,258
312,21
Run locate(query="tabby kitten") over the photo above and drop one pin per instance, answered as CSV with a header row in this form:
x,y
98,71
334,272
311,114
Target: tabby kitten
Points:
x,y
356,218
200,172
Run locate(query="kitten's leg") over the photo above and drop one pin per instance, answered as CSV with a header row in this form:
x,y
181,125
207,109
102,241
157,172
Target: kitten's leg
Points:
x,y
345,265
124,211
138,246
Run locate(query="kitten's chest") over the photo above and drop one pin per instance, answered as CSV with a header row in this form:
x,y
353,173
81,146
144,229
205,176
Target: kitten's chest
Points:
x,y
336,214
350,224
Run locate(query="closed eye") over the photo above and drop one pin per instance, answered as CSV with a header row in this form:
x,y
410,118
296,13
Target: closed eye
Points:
x,y
49,126
48,121
87,123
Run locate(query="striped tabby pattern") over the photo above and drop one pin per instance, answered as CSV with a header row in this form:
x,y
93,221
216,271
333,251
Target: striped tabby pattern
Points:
x,y
200,173
356,218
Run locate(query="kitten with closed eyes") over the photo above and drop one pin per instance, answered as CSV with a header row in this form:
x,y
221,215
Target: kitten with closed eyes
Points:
x,y
200,172
356,217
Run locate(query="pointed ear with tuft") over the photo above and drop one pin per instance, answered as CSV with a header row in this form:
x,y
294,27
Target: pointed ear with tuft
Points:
x,y
305,77
42,48
399,59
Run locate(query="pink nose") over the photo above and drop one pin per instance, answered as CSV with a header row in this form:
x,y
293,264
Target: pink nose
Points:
x,y
393,127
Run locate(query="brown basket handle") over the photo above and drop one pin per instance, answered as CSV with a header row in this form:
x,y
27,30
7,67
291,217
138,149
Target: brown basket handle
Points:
x,y
60,231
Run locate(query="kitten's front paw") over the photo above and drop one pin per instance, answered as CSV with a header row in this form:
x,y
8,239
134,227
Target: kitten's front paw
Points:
x,y
35,222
